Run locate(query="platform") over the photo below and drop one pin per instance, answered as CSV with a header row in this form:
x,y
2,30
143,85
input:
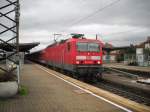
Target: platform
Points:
x,y
48,93
123,66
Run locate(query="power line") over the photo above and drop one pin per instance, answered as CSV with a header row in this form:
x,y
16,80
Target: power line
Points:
x,y
95,12
116,33
120,32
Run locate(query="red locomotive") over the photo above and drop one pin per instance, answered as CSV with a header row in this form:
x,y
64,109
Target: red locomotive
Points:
x,y
81,56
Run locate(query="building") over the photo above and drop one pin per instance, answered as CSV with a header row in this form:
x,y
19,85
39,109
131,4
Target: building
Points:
x,y
143,53
109,56
129,55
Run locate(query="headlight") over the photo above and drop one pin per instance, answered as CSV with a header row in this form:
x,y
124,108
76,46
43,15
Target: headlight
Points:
x,y
98,62
77,62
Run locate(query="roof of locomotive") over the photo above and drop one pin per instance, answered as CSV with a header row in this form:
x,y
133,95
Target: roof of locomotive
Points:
x,y
84,40
75,40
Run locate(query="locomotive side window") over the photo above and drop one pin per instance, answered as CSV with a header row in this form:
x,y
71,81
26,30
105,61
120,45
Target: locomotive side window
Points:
x,y
84,46
68,47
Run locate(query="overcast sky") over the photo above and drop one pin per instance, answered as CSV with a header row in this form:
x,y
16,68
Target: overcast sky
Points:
x,y
125,22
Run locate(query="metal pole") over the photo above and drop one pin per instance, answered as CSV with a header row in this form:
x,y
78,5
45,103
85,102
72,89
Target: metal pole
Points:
x,y
18,74
17,41
17,26
96,36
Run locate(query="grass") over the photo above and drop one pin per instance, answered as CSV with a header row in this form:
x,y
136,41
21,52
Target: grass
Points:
x,y
23,91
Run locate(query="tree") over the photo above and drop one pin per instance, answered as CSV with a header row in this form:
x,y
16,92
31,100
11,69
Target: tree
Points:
x,y
131,55
146,52
131,50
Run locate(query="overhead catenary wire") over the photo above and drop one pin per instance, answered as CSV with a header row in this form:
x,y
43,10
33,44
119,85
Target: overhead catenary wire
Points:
x,y
118,33
92,14
95,12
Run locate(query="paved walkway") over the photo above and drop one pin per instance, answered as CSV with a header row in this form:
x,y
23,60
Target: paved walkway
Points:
x,y
50,94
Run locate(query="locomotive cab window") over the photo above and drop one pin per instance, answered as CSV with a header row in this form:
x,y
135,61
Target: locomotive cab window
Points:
x,y
82,46
91,47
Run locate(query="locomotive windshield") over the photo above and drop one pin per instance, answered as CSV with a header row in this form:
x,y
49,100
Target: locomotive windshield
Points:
x,y
91,47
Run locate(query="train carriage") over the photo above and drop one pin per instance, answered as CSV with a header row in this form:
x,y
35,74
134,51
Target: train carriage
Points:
x,y
81,56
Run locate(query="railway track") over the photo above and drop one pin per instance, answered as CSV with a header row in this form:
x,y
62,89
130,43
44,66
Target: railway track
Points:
x,y
123,91
131,93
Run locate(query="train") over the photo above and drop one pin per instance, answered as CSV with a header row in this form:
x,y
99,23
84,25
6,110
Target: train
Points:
x,y
78,55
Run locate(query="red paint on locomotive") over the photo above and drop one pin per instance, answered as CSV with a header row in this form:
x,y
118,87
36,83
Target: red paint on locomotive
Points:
x,y
76,55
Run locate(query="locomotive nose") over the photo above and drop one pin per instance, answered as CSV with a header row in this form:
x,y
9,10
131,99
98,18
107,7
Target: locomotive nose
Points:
x,y
88,59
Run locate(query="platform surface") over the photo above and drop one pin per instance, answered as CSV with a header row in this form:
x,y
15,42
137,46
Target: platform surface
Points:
x,y
121,65
47,93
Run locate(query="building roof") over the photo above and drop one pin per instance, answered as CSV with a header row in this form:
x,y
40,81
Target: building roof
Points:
x,y
142,45
23,47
